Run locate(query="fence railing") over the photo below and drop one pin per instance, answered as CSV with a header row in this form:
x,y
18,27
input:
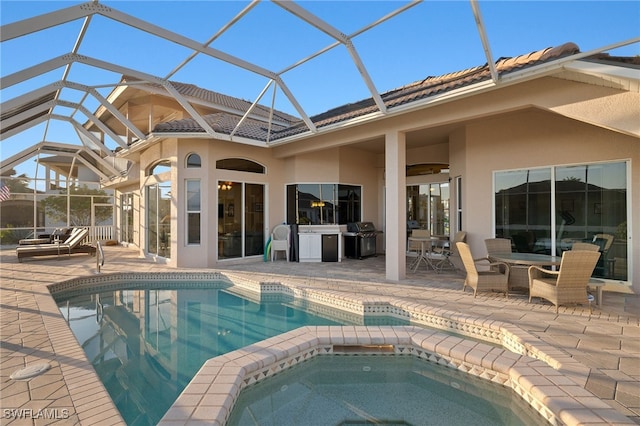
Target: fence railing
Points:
x,y
102,233
96,233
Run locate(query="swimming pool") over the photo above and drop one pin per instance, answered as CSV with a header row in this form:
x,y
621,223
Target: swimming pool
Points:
x,y
543,377
147,343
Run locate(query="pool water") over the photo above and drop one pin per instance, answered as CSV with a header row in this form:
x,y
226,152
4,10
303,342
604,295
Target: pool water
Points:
x,y
378,389
146,344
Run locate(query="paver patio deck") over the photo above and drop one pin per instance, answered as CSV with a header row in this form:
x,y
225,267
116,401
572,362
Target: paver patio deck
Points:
x,y
33,331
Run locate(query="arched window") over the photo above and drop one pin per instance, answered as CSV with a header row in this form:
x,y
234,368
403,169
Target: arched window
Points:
x,y
159,167
241,165
194,161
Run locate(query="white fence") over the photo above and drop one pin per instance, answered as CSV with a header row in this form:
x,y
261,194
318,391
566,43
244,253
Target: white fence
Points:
x,y
10,236
102,233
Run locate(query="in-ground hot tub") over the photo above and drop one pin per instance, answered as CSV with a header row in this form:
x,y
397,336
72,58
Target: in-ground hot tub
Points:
x,y
378,389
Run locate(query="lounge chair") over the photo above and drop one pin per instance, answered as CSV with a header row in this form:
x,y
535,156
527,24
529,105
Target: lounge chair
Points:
x,y
70,246
58,235
495,278
569,283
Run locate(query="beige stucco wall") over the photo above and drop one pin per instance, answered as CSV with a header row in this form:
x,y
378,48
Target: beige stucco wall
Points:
x,y
343,165
331,166
509,127
358,167
206,253
532,139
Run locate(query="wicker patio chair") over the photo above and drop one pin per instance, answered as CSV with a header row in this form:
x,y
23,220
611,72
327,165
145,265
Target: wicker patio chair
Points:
x,y
497,245
569,283
585,246
495,278
519,277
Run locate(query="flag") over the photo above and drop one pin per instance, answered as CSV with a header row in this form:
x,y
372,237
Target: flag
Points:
x,y
5,193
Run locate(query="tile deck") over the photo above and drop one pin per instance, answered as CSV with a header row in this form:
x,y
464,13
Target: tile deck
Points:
x,y
603,346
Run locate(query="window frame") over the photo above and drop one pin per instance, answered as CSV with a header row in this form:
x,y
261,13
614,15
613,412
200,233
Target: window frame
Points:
x,y
293,209
189,211
193,165
558,238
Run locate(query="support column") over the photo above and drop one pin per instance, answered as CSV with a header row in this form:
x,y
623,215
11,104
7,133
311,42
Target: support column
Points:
x,y
395,205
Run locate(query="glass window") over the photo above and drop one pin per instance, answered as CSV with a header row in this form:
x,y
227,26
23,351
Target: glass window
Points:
x,y
240,164
126,217
428,207
547,210
194,161
318,204
193,211
523,208
349,204
159,219
254,219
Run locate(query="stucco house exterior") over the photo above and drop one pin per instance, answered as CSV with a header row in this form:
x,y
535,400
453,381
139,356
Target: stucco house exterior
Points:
x,y
544,146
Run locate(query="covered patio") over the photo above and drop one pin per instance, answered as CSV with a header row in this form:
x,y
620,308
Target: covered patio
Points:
x,y
34,331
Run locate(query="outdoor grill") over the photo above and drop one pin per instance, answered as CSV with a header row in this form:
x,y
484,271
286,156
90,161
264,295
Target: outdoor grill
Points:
x,y
360,240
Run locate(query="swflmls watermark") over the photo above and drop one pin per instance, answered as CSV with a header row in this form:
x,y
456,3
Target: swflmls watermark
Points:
x,y
30,413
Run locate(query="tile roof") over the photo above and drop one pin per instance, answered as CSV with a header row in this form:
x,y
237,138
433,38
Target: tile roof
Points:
x,y
221,123
430,86
219,99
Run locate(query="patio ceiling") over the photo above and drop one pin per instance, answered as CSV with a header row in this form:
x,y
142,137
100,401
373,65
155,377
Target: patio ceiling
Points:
x,y
49,102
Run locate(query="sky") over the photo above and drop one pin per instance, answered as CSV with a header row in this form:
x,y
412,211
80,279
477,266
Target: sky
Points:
x,y
428,39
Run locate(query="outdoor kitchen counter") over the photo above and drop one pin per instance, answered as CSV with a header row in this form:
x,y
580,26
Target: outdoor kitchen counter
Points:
x,y
320,243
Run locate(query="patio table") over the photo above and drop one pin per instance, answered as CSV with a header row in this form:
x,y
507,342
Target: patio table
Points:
x,y
425,249
519,265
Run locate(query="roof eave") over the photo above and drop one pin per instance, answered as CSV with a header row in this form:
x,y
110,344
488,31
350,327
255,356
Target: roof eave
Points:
x,y
604,70
576,62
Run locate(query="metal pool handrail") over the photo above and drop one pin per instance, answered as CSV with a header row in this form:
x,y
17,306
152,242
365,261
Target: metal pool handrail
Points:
x,y
99,256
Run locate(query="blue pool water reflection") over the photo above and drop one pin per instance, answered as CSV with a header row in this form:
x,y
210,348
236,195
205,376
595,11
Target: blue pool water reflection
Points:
x,y
146,344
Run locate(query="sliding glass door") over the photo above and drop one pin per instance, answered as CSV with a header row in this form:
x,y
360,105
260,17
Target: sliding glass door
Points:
x,y
546,210
159,219
240,219
428,207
